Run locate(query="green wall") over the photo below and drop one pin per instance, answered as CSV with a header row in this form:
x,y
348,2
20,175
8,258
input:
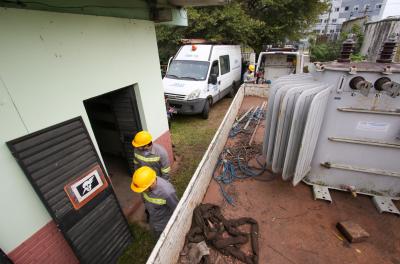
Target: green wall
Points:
x,y
50,63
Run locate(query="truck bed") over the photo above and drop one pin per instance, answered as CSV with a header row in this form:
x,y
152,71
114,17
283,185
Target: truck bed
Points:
x,y
293,227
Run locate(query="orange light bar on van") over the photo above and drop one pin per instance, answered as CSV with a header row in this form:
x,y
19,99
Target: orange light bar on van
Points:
x,y
194,48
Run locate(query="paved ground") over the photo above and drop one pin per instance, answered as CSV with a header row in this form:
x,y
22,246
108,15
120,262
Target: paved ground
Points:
x,y
121,181
296,229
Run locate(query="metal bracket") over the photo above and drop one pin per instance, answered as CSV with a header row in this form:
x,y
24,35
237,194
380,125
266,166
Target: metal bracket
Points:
x,y
387,70
385,205
392,88
365,87
353,70
340,87
319,67
321,193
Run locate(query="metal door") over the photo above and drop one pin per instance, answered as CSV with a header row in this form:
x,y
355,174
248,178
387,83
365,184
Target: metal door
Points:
x,y
59,161
225,80
126,113
213,89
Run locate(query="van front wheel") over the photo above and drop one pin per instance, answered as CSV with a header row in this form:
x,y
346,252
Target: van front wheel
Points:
x,y
206,109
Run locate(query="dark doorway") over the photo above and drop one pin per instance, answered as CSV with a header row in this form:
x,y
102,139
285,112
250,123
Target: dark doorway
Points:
x,y
115,119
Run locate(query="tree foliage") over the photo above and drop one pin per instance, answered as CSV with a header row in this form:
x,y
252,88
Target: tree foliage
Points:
x,y
249,22
330,50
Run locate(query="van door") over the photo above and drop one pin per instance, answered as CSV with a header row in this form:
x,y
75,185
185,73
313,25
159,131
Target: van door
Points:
x,y
213,89
225,79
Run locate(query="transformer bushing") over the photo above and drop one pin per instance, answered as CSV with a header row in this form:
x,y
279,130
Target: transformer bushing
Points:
x,y
347,50
388,49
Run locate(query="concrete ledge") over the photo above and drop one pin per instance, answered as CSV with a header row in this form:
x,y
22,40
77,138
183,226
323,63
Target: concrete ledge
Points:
x,y
260,90
172,239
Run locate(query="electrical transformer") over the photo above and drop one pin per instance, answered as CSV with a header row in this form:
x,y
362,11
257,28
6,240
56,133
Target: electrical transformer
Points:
x,y
339,127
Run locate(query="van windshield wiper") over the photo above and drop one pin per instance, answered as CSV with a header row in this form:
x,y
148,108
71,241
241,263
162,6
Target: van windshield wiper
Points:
x,y
189,77
173,76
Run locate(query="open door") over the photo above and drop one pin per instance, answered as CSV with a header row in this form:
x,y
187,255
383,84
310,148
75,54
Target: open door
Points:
x,y
63,167
115,120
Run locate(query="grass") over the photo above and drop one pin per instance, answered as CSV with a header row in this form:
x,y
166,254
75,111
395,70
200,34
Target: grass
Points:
x,y
140,249
191,136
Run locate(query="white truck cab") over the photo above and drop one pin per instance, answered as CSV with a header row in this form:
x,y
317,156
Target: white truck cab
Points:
x,y
277,63
200,75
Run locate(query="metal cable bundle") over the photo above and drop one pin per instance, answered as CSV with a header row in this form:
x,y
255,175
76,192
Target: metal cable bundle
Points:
x,y
235,166
244,121
234,161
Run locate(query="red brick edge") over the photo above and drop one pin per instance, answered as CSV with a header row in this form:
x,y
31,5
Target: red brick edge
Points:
x,y
165,141
45,246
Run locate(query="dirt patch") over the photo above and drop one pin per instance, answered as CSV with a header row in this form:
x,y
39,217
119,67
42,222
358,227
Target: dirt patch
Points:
x,y
296,229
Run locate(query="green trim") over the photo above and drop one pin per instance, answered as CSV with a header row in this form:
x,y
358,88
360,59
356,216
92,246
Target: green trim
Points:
x,y
158,201
166,170
146,159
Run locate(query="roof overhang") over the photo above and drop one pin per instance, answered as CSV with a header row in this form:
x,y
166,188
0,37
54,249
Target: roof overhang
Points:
x,y
155,10
186,3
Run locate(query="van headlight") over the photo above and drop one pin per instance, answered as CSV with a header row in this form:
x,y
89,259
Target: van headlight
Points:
x,y
194,95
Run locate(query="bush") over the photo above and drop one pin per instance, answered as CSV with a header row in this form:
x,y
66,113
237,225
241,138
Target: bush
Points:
x,y
326,50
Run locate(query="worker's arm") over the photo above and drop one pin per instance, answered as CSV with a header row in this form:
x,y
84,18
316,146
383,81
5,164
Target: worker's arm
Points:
x,y
165,164
172,200
136,164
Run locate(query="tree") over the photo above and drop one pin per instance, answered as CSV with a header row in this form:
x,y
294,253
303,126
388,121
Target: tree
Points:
x,y
249,22
330,50
285,19
228,24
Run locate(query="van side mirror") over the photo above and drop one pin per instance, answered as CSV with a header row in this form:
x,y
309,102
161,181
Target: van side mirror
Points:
x,y
169,62
213,78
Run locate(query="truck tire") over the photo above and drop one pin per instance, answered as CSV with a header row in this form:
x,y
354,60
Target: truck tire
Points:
x,y
231,93
206,109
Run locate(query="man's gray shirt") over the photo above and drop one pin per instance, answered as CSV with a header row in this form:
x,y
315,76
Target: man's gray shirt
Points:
x,y
155,158
161,203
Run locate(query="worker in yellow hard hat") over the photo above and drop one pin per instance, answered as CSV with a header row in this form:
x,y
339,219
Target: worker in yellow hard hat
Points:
x,y
248,76
146,153
159,197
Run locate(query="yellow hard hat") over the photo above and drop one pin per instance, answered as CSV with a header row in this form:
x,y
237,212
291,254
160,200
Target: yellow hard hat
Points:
x,y
141,139
142,179
251,67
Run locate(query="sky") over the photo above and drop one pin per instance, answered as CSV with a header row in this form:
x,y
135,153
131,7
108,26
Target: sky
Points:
x,y
392,8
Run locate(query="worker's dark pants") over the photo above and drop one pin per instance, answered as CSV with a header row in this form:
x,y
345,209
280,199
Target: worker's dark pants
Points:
x,y
157,234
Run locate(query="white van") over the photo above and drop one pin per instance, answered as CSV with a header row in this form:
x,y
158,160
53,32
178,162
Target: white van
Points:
x,y
200,75
275,64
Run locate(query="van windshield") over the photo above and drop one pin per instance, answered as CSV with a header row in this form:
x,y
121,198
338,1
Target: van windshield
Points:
x,y
191,70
